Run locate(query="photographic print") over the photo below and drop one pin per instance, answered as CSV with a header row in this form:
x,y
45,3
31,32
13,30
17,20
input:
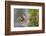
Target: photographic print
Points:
x,y
24,18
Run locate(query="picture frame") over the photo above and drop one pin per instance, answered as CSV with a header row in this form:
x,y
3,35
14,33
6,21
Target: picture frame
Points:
x,y
12,6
